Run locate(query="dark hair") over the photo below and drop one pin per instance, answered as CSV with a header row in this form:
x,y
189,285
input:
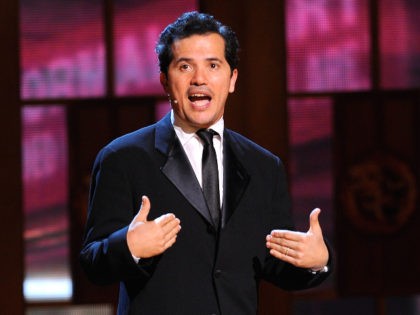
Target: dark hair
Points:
x,y
195,23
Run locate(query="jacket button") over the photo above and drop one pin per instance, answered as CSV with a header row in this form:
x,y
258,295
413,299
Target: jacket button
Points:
x,y
217,273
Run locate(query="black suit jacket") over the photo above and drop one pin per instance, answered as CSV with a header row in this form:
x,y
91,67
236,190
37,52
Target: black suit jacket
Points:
x,y
203,272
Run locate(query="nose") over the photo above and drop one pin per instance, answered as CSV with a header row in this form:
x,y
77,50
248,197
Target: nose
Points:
x,y
199,76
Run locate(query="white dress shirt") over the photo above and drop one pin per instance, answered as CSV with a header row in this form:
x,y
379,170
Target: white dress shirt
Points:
x,y
193,148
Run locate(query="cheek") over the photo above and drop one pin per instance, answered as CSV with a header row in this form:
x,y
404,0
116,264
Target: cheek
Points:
x,y
178,89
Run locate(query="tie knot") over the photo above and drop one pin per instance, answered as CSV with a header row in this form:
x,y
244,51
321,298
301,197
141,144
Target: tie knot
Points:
x,y
207,135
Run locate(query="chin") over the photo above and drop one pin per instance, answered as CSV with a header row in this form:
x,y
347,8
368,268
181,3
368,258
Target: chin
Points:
x,y
202,123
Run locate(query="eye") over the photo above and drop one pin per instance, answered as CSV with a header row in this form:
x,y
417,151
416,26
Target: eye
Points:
x,y
185,67
214,65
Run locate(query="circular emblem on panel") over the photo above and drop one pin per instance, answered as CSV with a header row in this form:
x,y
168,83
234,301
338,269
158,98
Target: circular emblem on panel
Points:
x,y
379,194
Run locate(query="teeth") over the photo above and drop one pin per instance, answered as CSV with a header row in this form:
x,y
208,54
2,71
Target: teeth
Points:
x,y
198,97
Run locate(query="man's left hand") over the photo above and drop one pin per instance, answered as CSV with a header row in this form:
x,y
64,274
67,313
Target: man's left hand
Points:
x,y
304,250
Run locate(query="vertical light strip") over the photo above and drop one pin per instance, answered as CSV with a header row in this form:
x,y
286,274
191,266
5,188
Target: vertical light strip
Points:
x,y
310,130
45,203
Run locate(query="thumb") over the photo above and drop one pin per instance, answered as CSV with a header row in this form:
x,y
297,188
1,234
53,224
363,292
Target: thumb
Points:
x,y
314,221
144,210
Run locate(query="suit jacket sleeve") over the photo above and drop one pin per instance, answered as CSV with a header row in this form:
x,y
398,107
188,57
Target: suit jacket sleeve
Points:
x,y
281,274
105,256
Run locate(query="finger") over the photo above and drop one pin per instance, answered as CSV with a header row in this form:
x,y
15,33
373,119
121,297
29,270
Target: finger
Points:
x,y
286,235
274,246
285,255
164,219
287,251
285,243
144,210
169,230
172,233
314,219
272,239
171,224
171,241
279,244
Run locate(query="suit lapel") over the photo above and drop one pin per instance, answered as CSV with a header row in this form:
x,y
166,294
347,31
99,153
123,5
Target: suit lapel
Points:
x,y
236,178
179,171
177,167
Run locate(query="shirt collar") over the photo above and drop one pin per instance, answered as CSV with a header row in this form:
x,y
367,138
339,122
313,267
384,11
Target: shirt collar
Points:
x,y
184,137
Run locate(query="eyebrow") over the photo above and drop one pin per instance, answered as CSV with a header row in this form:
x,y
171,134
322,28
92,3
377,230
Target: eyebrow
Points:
x,y
185,59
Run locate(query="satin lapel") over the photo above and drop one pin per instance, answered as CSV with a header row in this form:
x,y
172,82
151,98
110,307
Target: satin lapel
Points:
x,y
236,179
177,168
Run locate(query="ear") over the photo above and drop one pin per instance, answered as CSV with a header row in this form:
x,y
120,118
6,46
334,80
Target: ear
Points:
x,y
233,78
164,81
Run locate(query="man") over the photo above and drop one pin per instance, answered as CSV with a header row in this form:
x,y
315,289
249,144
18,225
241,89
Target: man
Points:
x,y
214,264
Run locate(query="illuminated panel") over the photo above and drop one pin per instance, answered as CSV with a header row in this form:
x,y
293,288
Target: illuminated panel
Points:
x,y
62,49
137,28
327,45
400,43
161,109
45,200
310,130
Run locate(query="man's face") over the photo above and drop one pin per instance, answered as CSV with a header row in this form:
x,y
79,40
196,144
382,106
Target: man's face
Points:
x,y
199,79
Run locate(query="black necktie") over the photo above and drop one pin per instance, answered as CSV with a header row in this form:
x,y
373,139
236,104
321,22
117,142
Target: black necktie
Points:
x,y
210,175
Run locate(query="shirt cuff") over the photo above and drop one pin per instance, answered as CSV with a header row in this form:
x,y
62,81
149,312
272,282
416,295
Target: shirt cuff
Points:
x,y
318,271
136,259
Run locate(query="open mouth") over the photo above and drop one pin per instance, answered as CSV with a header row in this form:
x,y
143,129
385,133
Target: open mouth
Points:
x,y
198,98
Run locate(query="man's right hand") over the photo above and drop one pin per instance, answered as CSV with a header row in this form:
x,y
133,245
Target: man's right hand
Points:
x,y
145,238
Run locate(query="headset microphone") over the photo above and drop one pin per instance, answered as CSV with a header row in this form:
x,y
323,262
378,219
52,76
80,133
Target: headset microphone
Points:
x,y
171,100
